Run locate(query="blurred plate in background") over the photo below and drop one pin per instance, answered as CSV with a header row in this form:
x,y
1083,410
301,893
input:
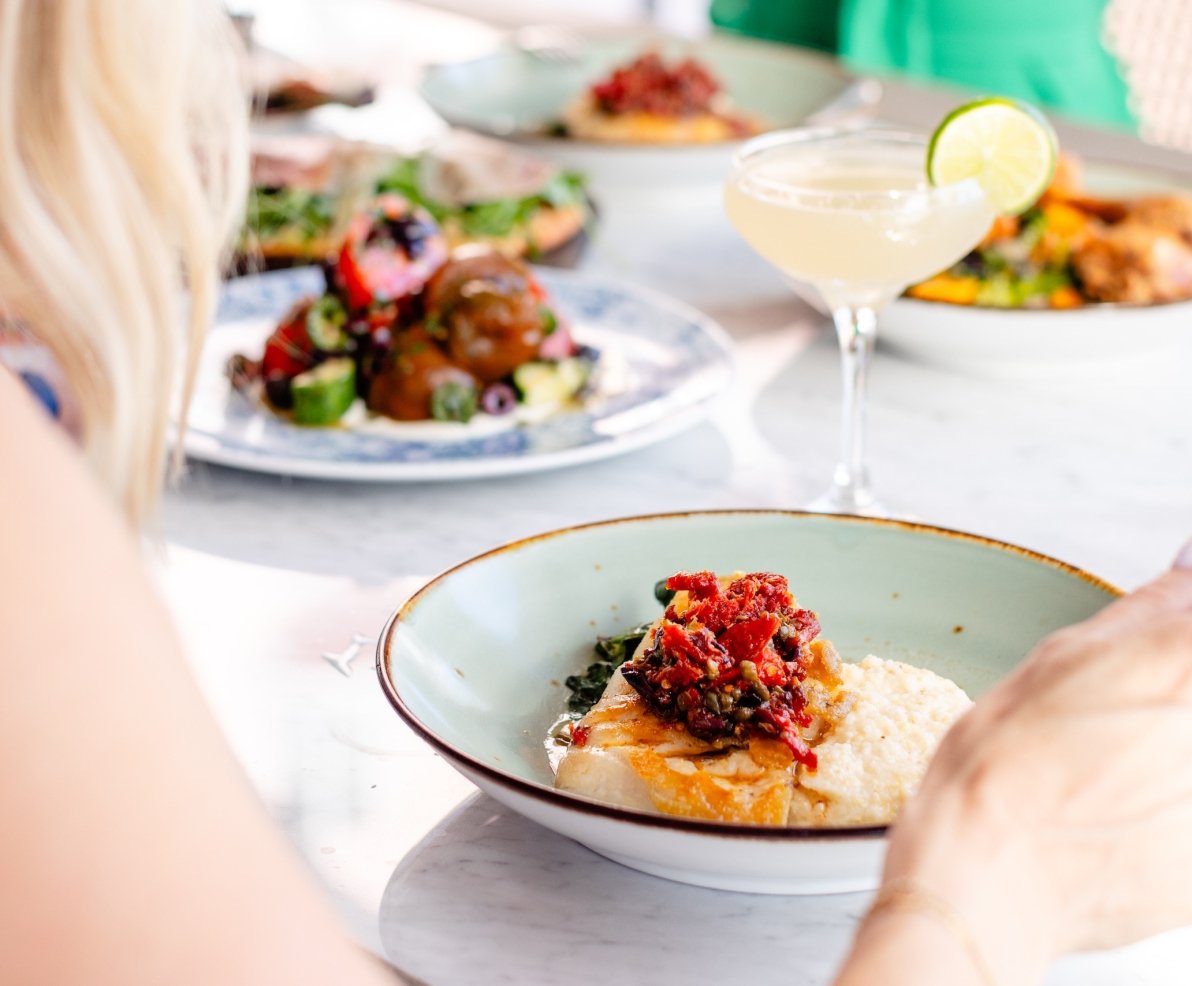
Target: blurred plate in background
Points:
x,y
1025,341
992,341
518,94
661,363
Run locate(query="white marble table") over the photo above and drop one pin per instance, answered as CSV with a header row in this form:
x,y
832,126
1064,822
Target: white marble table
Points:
x,y
265,574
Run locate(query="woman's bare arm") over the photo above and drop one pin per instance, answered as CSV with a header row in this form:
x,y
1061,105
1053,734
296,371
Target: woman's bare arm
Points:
x,y
133,849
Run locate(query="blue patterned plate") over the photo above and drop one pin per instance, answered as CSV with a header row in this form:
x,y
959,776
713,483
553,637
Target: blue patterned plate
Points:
x,y
661,362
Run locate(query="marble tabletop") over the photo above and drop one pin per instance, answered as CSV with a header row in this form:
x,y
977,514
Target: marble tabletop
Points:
x,y
268,576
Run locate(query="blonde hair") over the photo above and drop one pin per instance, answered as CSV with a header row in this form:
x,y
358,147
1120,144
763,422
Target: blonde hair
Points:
x,y
123,166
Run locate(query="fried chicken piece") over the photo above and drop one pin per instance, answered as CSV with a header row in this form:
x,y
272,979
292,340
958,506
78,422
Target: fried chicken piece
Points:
x,y
1067,188
1170,213
1145,258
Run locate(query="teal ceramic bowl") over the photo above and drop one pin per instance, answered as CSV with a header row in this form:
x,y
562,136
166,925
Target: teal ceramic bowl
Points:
x,y
475,661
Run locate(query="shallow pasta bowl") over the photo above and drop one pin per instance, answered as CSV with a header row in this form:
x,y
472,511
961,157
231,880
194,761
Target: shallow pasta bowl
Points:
x,y
516,94
474,662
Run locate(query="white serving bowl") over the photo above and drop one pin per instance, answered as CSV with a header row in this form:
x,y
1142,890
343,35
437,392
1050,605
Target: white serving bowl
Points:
x,y
1025,342
1002,342
474,662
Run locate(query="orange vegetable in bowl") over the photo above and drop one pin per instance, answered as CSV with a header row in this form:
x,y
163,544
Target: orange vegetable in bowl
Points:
x,y
1065,297
951,288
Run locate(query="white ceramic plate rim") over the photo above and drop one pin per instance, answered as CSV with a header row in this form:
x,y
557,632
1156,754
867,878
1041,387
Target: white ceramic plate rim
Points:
x,y
208,448
567,800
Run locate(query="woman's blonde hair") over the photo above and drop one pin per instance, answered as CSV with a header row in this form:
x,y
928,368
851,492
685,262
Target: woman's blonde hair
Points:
x,y
123,160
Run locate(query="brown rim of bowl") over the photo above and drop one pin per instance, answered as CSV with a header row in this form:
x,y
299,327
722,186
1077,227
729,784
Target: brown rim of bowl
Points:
x,y
563,799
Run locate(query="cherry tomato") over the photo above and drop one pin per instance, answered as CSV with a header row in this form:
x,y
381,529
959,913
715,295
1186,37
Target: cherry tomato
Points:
x,y
289,351
389,252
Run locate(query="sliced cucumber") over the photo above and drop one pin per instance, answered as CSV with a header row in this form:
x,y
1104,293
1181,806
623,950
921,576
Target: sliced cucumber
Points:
x,y
540,382
575,371
322,395
326,323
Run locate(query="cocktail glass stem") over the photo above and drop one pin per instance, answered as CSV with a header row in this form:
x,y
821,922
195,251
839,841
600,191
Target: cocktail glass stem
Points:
x,y
856,329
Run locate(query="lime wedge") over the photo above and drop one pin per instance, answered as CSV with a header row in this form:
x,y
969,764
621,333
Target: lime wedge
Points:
x,y
1007,146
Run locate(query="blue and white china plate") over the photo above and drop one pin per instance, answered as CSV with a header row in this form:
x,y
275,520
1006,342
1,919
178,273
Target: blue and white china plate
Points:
x,y
660,364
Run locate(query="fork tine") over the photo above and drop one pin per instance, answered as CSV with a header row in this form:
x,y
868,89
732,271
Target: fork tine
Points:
x,y
548,42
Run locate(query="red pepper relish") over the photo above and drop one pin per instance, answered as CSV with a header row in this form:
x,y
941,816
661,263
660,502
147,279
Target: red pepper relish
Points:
x,y
730,663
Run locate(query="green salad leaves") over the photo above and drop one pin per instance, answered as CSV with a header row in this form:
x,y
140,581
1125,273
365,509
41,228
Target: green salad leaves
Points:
x,y
611,653
498,217
272,210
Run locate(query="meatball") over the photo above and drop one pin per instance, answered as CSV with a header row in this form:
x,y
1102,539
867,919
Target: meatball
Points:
x,y
418,367
489,312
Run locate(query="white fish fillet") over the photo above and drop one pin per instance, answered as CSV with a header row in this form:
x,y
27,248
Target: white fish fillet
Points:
x,y
634,759
868,763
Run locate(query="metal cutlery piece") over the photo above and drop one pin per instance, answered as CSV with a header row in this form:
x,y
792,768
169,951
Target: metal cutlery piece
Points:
x,y
548,42
342,660
854,107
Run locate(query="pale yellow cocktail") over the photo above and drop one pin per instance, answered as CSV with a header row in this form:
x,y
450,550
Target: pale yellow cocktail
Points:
x,y
852,214
858,229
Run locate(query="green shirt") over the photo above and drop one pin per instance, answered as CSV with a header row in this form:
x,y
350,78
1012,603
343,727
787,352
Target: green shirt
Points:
x,y
809,23
1046,51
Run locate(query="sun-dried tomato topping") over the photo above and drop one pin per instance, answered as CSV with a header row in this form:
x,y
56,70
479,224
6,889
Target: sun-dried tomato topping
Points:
x,y
748,639
700,585
648,85
728,661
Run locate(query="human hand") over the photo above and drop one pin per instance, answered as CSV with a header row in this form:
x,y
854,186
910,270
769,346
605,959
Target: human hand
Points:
x,y
1057,815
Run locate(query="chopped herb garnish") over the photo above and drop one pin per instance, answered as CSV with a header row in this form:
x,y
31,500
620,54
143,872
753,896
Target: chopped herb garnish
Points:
x,y
435,326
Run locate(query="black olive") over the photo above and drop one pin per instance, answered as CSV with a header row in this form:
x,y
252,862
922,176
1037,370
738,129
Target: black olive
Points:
x,y
408,233
279,391
382,339
498,398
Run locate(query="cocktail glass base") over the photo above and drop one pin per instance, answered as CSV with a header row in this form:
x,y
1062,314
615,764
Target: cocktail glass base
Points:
x,y
840,500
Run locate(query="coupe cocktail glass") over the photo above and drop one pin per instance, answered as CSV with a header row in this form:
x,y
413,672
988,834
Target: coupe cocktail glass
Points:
x,y
851,213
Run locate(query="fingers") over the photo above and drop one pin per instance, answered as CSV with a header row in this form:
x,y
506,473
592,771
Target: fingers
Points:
x,y
1183,560
1168,595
